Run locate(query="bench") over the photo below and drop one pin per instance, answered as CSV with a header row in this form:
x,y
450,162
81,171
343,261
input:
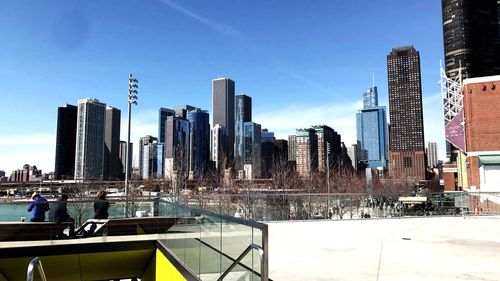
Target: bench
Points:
x,y
125,226
29,231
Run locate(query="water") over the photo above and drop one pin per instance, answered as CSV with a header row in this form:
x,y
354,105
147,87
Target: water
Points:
x,y
83,211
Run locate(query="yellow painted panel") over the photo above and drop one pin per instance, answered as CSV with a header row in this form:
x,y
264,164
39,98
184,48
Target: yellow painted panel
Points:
x,y
165,270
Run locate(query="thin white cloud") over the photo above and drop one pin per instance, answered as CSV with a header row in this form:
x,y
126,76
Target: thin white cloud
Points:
x,y
219,27
303,79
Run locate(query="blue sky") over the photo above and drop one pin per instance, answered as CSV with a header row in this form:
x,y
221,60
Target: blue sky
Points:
x,y
302,62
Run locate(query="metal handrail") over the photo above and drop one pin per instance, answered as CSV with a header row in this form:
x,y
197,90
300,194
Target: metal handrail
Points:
x,y
36,262
263,266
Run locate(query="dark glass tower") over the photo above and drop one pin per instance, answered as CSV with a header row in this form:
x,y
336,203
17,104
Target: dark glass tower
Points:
x,y
65,142
471,30
223,112
111,165
199,152
243,114
406,141
177,133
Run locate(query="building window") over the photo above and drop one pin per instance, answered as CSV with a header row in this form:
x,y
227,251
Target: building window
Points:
x,y
407,162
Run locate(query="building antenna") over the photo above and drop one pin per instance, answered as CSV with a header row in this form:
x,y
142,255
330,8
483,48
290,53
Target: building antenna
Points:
x,y
373,79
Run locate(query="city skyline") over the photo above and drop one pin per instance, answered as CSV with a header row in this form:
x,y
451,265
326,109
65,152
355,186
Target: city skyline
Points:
x,y
324,92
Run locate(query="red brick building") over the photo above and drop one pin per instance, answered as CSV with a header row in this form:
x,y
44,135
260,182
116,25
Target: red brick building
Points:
x,y
482,132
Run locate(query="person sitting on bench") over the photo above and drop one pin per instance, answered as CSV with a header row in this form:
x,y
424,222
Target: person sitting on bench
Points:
x,y
59,213
38,207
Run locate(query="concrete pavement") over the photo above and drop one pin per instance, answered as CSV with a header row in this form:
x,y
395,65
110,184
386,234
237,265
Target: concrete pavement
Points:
x,y
437,249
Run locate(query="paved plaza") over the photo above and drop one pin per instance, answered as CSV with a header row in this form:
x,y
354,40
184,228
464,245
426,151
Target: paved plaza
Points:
x,y
434,249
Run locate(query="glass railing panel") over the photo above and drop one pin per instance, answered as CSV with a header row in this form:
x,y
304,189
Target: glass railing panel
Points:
x,y
236,237
210,248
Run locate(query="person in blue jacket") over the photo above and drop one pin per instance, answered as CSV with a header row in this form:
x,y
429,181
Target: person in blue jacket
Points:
x,y
38,207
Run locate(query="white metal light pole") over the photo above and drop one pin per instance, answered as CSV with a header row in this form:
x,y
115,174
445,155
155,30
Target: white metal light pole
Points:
x,y
132,99
328,178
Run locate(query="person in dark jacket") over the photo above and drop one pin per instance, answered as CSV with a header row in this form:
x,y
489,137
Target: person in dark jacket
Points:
x,y
101,206
38,207
59,213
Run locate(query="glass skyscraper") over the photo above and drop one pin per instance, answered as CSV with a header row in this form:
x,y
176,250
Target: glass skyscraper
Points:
x,y
199,152
252,153
371,128
243,109
163,113
176,147
65,142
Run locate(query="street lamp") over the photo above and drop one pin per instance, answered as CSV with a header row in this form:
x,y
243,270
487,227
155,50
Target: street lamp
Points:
x,y
328,178
132,99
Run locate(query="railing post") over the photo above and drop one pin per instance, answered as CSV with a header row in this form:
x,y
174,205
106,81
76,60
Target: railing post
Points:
x,y
36,262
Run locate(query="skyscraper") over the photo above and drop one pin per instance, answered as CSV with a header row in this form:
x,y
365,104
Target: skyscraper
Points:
x,y
471,30
163,113
112,144
281,151
243,108
176,147
371,129
148,155
267,152
407,152
325,151
223,112
90,128
65,142
182,110
306,151
199,152
253,154
471,33
432,155
370,97
218,138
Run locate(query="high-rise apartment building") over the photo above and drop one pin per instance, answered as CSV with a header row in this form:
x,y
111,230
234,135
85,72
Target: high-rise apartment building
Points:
x,y
253,154
371,129
111,165
406,141
326,143
65,142
471,30
243,108
223,112
90,145
148,165
432,155
199,152
306,151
